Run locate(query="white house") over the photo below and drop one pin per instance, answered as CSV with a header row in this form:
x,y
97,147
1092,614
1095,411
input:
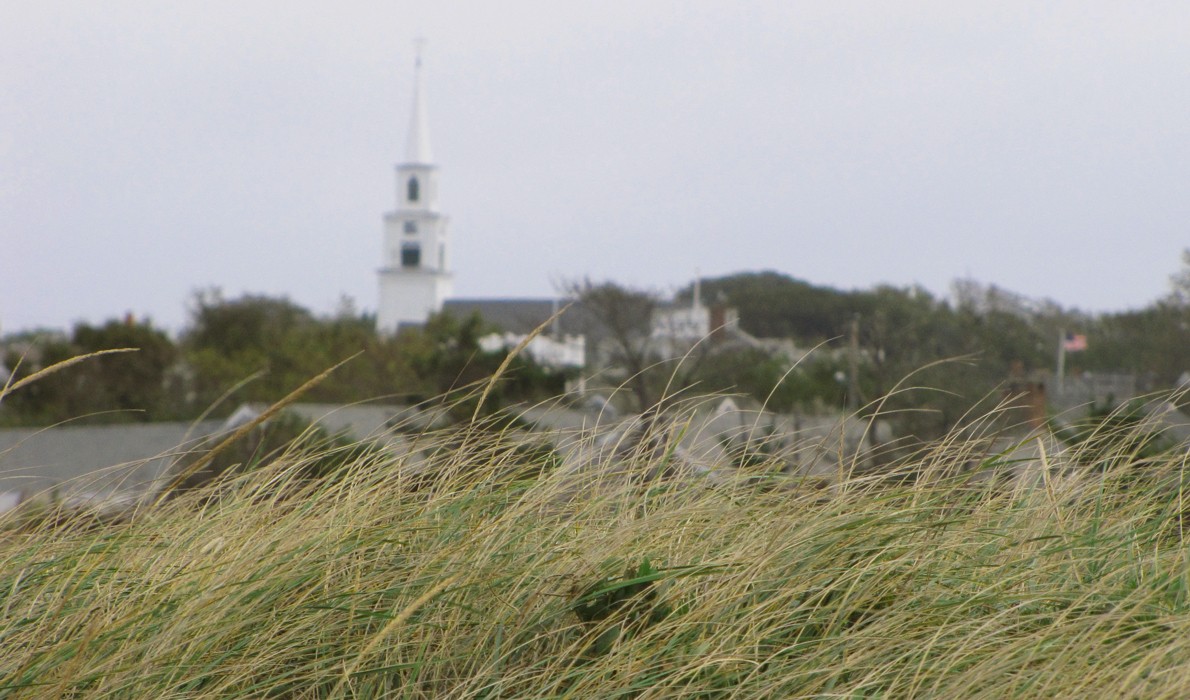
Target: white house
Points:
x,y
677,326
555,352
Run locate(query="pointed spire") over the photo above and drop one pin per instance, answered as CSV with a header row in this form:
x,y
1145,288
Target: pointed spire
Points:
x,y
417,148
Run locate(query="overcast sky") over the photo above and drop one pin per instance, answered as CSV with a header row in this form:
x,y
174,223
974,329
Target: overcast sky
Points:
x,y
150,149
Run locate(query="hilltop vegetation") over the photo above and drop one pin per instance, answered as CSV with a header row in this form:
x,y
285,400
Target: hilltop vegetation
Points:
x,y
901,332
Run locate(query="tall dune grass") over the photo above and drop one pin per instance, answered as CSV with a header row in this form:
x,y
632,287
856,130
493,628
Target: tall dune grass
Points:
x,y
485,574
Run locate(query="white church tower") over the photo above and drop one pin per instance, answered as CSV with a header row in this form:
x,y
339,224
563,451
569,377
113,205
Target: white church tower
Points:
x,y
415,278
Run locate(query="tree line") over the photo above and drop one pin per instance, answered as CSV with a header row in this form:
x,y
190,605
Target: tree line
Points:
x,y
253,348
924,360
936,360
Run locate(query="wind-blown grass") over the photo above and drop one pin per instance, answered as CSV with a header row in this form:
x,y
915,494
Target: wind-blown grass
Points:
x,y
461,579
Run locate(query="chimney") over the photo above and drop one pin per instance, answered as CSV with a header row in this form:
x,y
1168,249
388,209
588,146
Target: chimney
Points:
x,y
1027,397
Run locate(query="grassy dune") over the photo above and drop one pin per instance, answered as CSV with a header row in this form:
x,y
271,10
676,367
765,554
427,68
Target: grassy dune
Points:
x,y
490,580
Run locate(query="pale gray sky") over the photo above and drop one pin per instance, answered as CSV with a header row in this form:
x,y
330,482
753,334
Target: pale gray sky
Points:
x,y
148,149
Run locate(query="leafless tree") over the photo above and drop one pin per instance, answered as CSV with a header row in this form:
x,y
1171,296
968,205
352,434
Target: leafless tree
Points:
x,y
624,318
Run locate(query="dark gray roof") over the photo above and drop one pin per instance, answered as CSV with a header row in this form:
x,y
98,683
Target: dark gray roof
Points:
x,y
110,461
521,315
95,458
369,421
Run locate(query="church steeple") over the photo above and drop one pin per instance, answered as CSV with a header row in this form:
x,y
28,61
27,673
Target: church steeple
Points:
x,y
415,278
417,146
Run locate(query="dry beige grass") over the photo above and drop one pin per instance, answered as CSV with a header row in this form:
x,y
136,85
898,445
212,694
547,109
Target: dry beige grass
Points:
x,y
383,583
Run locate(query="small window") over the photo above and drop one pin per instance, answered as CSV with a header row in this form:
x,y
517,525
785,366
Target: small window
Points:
x,y
442,257
411,256
410,227
414,189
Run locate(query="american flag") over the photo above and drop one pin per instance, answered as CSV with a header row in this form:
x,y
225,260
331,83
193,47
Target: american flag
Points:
x,y
1074,342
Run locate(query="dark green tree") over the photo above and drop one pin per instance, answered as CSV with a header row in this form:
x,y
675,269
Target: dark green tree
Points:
x,y
812,385
283,345
448,363
133,386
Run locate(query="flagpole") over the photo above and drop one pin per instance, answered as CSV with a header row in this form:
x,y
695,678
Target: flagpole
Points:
x,y
1061,373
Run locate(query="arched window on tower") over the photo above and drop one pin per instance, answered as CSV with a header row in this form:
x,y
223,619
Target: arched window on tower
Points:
x,y
411,255
414,189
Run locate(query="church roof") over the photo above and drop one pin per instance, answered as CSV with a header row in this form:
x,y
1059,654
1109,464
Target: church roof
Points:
x,y
521,316
417,147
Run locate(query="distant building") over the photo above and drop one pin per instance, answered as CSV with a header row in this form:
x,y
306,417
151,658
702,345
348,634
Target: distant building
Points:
x,y
547,351
578,339
677,326
563,343
415,278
